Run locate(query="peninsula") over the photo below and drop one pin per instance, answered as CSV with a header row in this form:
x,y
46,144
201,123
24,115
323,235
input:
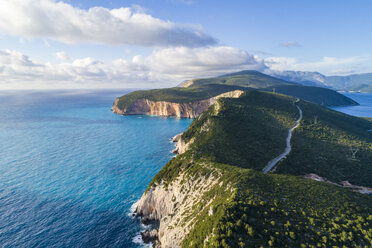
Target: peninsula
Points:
x,y
219,191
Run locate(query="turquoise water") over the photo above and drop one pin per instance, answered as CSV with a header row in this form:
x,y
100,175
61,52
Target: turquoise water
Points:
x,y
365,108
70,169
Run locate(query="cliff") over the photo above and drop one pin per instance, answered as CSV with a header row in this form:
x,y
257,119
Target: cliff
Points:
x,y
193,109
172,206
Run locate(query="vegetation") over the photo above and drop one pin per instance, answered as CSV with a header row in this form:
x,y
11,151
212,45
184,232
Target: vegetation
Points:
x,y
281,211
235,138
322,96
206,88
252,79
176,94
323,145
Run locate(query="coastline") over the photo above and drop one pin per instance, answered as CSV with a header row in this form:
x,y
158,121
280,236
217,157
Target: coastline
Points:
x,y
148,235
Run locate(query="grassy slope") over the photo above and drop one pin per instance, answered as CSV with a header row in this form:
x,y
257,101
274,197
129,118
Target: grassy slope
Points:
x,y
270,209
245,80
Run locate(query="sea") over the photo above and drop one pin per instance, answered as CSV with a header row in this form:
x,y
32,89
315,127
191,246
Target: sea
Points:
x,y
71,171
363,110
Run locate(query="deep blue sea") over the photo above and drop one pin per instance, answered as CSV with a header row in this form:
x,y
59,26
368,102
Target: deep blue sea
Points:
x,y
70,170
365,108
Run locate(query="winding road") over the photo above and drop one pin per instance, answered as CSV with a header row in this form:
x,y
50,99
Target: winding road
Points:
x,y
288,149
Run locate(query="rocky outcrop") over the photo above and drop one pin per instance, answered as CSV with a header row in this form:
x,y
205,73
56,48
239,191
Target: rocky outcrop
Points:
x,y
187,83
181,145
116,109
150,237
162,108
172,207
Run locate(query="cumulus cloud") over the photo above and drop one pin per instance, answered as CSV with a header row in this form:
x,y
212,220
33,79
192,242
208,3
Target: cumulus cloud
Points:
x,y
290,44
196,62
62,22
165,67
327,65
62,56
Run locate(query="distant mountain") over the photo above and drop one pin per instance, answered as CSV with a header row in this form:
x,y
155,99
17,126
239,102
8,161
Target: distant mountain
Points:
x,y
246,78
355,82
303,77
351,82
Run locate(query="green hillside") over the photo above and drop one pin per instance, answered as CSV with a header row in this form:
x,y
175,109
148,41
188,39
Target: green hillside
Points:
x,y
234,139
318,95
177,94
253,131
203,89
252,79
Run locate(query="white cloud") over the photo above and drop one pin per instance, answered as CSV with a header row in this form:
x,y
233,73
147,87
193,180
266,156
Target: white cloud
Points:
x,y
163,68
327,65
202,62
62,56
63,22
166,67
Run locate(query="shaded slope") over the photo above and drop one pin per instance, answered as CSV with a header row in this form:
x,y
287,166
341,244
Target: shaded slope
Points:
x,y
322,96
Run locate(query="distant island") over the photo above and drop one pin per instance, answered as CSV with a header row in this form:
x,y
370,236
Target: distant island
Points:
x,y
217,193
194,96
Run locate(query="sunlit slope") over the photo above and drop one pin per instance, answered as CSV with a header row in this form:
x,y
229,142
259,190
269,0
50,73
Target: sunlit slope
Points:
x,y
234,139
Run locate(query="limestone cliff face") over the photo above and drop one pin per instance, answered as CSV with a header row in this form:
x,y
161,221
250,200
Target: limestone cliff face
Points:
x,y
116,109
172,207
162,108
181,145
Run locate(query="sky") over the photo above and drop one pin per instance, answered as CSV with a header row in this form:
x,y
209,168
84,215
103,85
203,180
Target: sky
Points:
x,y
50,44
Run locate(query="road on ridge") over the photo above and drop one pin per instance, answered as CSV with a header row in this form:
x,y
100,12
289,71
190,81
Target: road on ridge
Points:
x,y
288,148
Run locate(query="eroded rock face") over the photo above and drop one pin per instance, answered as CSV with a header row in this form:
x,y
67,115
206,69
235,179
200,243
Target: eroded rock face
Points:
x,y
181,145
171,206
150,236
162,108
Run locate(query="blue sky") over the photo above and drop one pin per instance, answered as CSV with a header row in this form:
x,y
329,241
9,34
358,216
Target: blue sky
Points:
x,y
156,43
